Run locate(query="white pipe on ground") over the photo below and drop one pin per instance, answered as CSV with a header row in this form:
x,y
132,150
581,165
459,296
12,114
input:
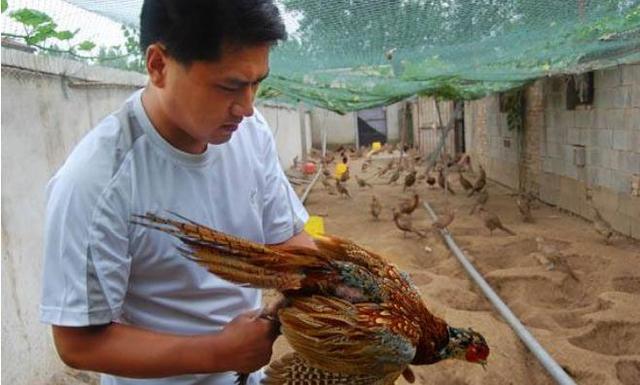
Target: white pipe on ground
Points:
x,y
310,185
552,367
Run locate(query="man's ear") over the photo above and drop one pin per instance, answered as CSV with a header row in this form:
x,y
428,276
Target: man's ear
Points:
x,y
157,64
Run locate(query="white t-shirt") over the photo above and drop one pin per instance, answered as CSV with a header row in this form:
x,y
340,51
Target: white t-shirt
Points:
x,y
99,267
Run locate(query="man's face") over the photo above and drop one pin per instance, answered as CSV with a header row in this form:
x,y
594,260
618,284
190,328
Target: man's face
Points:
x,y
205,101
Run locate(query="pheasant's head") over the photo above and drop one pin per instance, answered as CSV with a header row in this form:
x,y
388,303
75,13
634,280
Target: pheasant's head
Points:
x,y
467,345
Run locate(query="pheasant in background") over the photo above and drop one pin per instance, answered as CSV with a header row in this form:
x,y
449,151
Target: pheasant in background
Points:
x,y
442,184
365,165
552,259
325,170
480,182
344,176
349,315
403,222
409,179
601,226
342,189
395,176
376,207
481,200
407,207
362,182
443,221
524,206
492,222
328,186
431,181
386,168
464,182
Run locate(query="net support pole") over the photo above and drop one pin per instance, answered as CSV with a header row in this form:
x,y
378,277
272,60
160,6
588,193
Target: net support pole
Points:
x,y
551,366
303,131
324,141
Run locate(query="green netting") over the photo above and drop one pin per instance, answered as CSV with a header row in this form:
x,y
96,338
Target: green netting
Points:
x,y
347,55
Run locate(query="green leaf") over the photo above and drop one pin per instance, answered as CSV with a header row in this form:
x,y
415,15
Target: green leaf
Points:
x,y
65,35
30,17
4,5
86,46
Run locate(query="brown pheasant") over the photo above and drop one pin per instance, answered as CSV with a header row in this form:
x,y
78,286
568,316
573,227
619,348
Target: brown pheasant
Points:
x,y
443,221
431,181
350,316
464,182
375,207
480,182
366,164
387,167
407,207
403,222
492,222
481,200
362,182
601,226
328,186
344,176
442,184
394,177
342,189
524,206
409,180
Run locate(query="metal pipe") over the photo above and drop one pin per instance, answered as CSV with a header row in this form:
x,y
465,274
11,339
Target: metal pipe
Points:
x,y
552,367
310,186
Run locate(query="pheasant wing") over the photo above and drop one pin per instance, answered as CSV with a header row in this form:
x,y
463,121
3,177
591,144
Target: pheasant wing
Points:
x,y
350,339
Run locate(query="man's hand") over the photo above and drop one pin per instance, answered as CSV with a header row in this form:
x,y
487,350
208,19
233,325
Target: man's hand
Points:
x,y
249,339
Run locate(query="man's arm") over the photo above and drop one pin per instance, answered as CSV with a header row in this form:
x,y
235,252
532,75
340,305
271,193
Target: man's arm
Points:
x,y
301,239
244,346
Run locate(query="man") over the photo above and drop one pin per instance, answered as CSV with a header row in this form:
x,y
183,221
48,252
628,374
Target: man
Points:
x,y
121,300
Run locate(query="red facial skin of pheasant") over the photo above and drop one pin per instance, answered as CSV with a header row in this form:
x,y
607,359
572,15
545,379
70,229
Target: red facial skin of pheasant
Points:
x,y
477,353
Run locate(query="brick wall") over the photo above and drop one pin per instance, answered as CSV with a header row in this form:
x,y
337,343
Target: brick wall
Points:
x,y
608,130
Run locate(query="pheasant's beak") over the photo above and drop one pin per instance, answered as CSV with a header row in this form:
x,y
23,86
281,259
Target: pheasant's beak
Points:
x,y
484,365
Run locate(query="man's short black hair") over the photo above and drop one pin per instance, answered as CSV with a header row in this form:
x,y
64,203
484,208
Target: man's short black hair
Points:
x,y
196,29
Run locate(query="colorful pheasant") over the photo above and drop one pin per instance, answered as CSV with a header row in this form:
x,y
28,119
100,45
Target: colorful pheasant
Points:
x,y
350,316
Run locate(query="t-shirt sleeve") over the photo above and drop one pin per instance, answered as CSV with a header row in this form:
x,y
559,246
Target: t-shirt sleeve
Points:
x,y
284,214
86,260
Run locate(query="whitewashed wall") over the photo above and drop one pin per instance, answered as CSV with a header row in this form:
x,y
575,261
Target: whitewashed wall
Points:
x,y
48,104
43,116
285,124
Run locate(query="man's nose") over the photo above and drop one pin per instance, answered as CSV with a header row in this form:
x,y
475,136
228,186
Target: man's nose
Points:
x,y
243,105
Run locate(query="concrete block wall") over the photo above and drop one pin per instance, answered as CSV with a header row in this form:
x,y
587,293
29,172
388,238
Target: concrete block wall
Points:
x,y
608,130
494,146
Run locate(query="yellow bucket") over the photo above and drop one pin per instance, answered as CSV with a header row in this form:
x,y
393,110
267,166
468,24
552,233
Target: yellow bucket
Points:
x,y
376,146
341,168
314,226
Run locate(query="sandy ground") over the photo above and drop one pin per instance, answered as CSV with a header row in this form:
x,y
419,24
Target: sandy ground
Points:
x,y
585,311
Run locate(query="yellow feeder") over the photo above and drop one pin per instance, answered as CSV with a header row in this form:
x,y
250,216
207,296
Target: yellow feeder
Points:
x,y
341,168
376,146
314,226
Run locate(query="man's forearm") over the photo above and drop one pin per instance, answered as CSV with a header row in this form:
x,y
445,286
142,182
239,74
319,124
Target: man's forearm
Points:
x,y
129,351
301,239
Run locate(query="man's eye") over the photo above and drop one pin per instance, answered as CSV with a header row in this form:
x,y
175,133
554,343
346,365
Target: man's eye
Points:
x,y
229,89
